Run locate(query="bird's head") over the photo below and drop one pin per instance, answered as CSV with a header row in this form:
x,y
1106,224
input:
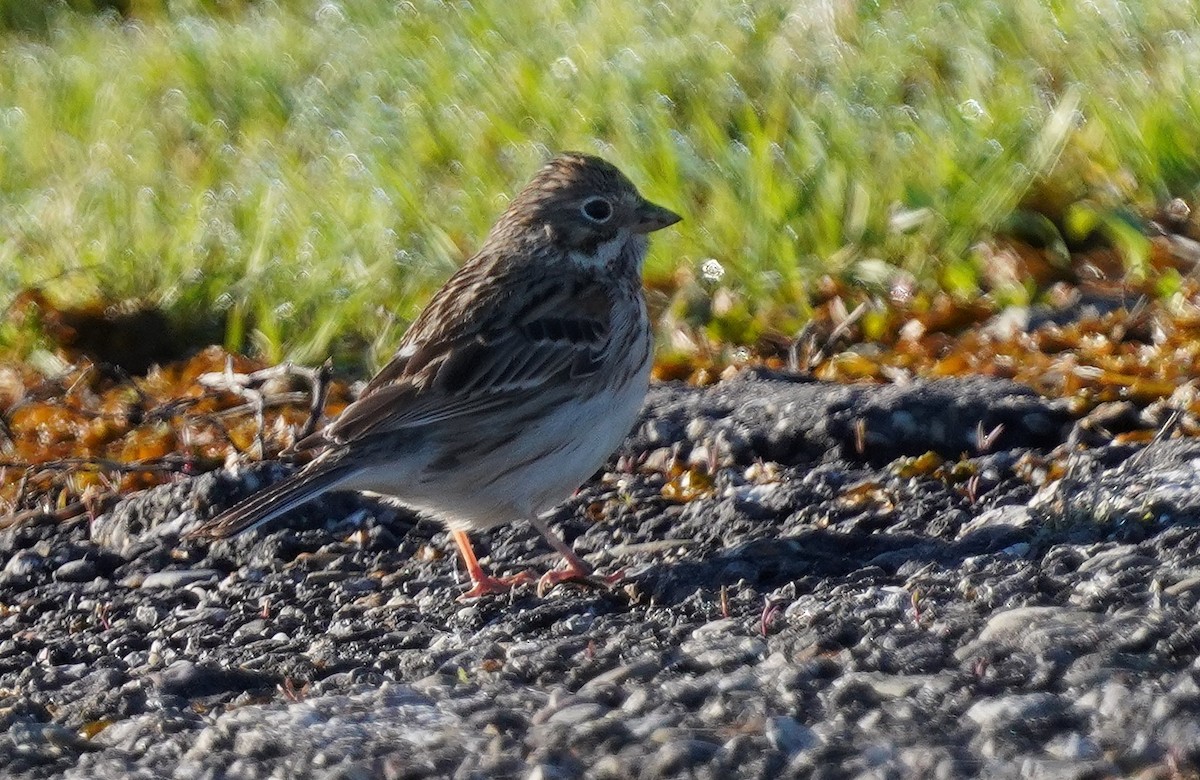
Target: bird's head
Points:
x,y
582,203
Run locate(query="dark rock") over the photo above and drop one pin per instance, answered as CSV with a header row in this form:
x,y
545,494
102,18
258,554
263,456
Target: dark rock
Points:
x,y
80,570
184,678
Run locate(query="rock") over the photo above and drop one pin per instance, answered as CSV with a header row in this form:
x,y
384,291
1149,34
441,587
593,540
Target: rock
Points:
x,y
76,571
179,578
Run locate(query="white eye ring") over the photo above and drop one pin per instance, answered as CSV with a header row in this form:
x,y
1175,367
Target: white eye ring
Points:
x,y
597,209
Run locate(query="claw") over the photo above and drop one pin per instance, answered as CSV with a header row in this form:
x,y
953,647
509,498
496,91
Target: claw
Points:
x,y
581,576
487,585
577,570
483,583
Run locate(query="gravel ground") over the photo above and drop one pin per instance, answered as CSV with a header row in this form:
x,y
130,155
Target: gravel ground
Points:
x,y
806,596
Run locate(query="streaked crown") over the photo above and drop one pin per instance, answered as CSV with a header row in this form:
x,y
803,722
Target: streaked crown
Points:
x,y
580,201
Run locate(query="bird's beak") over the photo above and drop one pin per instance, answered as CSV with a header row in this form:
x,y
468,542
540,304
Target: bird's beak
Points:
x,y
651,217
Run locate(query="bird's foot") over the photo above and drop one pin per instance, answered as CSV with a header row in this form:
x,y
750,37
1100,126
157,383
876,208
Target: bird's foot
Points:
x,y
582,576
485,585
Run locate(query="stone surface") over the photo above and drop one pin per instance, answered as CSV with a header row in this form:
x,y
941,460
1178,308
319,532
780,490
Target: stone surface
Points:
x,y
816,608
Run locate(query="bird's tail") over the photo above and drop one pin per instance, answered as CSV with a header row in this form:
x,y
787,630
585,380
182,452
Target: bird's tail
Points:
x,y
273,501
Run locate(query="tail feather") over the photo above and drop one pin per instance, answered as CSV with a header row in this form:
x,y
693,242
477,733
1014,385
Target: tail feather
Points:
x,y
273,501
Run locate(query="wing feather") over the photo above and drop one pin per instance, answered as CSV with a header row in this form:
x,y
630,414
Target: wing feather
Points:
x,y
503,350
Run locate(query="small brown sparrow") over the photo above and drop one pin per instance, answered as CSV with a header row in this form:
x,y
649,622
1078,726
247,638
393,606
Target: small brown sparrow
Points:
x,y
520,377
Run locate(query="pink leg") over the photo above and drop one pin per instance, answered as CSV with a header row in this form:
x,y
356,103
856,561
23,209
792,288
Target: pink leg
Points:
x,y
577,570
483,583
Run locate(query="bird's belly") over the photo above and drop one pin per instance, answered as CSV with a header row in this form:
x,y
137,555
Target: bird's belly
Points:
x,y
499,476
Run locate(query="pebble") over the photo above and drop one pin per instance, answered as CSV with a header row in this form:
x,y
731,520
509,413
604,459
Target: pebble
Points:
x,y
710,652
179,578
679,755
789,736
24,563
577,715
80,570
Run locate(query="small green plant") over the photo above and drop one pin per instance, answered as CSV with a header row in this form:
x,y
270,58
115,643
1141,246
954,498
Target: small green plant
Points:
x,y
308,172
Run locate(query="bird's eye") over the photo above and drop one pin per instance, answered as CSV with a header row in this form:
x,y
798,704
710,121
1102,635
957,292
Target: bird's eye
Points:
x,y
597,209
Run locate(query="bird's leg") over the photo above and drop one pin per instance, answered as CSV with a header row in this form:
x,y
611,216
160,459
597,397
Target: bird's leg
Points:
x,y
577,570
483,583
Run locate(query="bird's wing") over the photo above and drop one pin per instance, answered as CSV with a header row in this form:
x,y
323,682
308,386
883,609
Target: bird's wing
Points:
x,y
472,352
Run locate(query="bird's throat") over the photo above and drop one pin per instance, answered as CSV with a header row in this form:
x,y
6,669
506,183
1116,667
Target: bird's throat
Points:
x,y
623,253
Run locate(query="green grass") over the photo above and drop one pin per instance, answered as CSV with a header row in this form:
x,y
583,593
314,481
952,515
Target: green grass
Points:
x,y
309,172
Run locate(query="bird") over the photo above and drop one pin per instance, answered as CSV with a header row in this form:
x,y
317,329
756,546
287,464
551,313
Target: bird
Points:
x,y
519,378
